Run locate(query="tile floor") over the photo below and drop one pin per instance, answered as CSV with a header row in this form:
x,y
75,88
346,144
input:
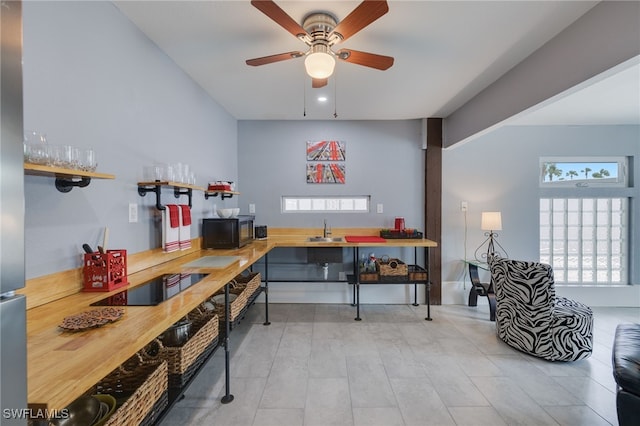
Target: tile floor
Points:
x,y
316,366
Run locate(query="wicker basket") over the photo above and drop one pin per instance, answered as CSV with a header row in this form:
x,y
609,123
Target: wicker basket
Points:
x,y
392,267
183,361
250,281
417,273
244,287
140,389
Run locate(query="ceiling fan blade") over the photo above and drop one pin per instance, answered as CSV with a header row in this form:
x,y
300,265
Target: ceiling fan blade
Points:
x,y
366,59
280,17
366,12
319,82
274,58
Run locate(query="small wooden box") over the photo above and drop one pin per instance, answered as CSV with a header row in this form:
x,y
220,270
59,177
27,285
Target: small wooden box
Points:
x,y
369,277
417,273
392,267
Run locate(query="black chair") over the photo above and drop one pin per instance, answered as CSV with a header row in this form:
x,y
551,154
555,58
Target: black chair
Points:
x,y
481,289
626,372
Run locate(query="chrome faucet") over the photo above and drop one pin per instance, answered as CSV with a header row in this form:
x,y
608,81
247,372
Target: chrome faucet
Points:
x,y
327,230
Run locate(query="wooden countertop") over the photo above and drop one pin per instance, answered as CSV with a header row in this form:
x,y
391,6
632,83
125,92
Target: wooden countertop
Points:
x,y
298,237
62,366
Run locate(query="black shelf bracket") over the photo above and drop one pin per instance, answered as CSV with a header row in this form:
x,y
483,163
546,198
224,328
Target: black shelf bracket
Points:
x,y
67,184
223,195
142,191
157,189
177,192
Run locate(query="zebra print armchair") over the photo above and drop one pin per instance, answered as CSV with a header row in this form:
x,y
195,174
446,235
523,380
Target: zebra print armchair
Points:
x,y
531,318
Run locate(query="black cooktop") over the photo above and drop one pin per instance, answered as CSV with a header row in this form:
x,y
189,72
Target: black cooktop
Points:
x,y
152,292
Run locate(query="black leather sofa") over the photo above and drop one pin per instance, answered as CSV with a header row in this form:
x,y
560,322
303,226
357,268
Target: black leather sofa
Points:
x,y
626,372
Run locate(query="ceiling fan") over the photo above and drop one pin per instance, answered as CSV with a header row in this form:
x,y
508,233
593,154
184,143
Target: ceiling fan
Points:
x,y
320,31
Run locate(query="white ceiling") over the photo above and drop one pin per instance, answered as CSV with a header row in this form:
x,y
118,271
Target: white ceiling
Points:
x,y
445,53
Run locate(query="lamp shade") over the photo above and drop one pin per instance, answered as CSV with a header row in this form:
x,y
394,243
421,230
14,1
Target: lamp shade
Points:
x,y
319,63
491,221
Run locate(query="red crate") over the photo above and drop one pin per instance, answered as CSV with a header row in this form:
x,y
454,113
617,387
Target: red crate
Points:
x,y
105,272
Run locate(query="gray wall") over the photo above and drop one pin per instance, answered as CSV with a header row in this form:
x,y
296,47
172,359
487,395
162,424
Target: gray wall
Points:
x,y
92,79
499,172
384,159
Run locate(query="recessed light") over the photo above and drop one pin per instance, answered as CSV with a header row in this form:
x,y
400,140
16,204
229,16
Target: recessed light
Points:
x,y
322,99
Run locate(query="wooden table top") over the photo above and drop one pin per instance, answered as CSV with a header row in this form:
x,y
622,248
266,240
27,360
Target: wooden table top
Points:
x,y
61,365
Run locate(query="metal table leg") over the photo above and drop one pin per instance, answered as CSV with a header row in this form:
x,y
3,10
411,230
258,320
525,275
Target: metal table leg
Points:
x,y
355,274
227,398
428,283
356,287
266,289
415,285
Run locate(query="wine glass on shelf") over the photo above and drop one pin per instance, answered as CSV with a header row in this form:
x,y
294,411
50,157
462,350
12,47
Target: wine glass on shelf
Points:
x,y
36,150
88,160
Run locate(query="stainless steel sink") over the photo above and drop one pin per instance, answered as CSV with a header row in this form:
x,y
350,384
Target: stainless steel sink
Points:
x,y
325,239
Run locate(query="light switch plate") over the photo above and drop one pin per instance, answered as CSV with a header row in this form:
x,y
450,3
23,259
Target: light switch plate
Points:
x,y
379,208
133,213
252,208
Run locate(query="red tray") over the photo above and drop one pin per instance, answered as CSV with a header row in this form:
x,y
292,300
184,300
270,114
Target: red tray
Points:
x,y
364,239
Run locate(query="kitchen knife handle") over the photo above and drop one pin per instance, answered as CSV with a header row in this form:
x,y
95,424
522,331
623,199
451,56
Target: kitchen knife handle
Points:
x,y
105,238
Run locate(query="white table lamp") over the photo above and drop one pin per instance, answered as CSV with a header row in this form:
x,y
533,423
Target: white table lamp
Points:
x,y
491,221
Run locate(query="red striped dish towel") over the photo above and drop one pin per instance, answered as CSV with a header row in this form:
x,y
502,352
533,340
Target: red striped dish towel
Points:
x,y
174,215
170,228
185,227
186,214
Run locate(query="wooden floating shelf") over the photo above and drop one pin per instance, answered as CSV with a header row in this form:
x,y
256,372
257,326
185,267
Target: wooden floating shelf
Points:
x,y
59,172
178,190
66,179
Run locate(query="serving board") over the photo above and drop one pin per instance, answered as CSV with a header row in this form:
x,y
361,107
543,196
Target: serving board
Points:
x,y
213,262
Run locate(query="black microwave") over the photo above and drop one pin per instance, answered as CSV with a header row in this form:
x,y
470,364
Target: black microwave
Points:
x,y
228,233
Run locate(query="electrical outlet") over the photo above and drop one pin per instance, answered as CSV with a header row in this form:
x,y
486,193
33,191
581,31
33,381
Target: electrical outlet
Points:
x,y
252,208
342,276
379,208
464,206
133,213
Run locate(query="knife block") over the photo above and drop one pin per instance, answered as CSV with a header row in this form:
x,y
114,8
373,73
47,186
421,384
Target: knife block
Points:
x,y
105,271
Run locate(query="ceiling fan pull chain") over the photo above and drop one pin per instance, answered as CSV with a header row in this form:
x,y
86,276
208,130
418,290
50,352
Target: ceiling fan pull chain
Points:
x,y
304,97
335,96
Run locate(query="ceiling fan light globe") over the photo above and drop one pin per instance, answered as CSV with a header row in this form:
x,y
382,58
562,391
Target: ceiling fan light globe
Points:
x,y
319,65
